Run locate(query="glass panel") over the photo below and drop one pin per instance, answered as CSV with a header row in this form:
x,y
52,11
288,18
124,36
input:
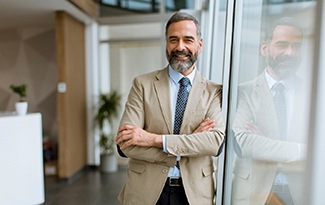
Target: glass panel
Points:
x,y
121,7
176,5
269,102
131,7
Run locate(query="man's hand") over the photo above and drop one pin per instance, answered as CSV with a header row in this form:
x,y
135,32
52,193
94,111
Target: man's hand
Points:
x,y
253,128
132,135
205,126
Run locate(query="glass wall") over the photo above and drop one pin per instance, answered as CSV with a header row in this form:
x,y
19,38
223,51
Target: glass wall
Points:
x,y
251,47
269,102
129,7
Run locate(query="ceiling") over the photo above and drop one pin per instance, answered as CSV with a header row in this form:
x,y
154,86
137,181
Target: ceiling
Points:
x,y
30,13
34,13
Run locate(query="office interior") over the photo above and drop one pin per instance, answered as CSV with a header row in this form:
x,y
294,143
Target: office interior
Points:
x,y
69,52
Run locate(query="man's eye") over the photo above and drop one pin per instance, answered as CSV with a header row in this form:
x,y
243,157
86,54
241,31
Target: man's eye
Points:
x,y
189,40
282,45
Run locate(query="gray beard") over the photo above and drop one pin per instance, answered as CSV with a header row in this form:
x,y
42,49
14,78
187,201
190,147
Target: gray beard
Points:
x,y
181,66
283,71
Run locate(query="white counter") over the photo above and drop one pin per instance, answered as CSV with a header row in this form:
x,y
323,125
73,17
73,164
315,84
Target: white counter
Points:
x,y
21,160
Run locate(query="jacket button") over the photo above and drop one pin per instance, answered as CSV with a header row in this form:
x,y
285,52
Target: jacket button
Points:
x,y
164,171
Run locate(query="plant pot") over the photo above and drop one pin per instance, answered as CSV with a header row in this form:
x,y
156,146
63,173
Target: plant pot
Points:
x,y
21,108
108,163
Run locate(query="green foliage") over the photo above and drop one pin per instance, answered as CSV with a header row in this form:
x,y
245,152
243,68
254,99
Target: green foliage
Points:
x,y
20,90
107,110
107,143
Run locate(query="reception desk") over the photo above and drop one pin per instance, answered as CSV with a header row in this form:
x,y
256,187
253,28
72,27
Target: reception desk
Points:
x,y
21,158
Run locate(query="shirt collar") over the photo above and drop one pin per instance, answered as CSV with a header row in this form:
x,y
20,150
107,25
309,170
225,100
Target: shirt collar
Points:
x,y
287,82
176,76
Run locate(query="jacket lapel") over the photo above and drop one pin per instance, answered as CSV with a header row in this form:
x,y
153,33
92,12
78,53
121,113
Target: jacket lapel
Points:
x,y
161,86
297,127
193,99
266,98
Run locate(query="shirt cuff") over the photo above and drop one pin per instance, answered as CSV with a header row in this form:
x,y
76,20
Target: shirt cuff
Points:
x,y
164,143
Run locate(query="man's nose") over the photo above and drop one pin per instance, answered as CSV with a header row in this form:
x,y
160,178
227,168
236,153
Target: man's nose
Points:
x,y
290,50
180,46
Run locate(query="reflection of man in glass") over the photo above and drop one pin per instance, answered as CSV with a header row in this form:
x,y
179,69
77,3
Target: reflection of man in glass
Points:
x,y
268,124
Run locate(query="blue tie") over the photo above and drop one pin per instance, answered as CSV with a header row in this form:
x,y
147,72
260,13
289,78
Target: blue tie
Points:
x,y
281,108
180,106
181,103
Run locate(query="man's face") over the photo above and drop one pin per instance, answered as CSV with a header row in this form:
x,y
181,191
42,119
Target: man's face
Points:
x,y
182,45
283,51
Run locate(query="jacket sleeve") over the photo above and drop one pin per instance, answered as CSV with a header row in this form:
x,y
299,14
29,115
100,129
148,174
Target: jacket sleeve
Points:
x,y
260,146
204,143
134,114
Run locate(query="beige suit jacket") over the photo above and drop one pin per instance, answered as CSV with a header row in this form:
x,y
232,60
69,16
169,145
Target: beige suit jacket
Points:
x,y
148,106
259,155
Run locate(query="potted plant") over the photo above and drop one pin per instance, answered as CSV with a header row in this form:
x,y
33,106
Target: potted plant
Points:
x,y
21,91
107,110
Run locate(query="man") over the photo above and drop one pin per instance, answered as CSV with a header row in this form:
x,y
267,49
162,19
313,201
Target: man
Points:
x,y
170,154
269,125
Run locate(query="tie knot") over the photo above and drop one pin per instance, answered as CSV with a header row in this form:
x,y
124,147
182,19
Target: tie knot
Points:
x,y
278,87
184,81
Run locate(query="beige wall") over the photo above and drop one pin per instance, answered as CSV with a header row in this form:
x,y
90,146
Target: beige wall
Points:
x,y
27,55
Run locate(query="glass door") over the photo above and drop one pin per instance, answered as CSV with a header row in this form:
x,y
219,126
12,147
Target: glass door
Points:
x,y
269,94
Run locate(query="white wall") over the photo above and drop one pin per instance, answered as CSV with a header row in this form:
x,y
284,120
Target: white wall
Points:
x,y
126,51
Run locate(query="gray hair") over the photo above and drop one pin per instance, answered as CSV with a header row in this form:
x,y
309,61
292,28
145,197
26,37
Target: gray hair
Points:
x,y
284,21
181,16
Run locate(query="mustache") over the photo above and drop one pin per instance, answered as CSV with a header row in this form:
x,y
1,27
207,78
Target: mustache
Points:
x,y
287,59
177,53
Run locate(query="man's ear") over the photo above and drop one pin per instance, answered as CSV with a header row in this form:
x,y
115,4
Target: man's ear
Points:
x,y
201,45
264,49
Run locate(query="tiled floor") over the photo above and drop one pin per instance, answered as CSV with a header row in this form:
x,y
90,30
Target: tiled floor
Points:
x,y
92,188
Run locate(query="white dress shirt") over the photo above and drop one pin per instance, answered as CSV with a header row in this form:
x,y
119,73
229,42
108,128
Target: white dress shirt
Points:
x,y
174,78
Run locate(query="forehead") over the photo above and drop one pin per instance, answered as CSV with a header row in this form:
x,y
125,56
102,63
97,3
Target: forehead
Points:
x,y
286,33
182,28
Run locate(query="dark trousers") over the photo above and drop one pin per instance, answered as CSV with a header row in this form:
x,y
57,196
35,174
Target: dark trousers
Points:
x,y
173,195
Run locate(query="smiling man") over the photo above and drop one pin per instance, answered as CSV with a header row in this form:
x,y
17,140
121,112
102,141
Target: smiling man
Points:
x,y
172,126
269,125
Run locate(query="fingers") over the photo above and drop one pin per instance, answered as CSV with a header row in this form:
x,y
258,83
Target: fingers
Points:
x,y
126,127
209,124
126,144
205,126
250,126
125,133
130,135
253,127
123,136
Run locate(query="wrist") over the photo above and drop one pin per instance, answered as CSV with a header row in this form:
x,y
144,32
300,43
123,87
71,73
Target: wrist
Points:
x,y
158,141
